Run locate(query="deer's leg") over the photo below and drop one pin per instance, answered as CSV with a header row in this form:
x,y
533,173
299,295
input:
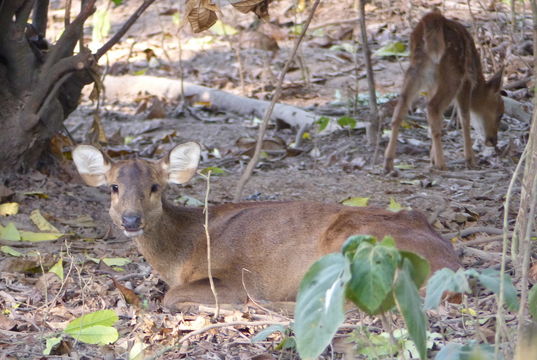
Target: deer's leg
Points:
x,y
185,297
435,108
463,105
411,86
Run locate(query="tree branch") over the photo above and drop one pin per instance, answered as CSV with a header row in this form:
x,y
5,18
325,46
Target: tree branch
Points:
x,y
40,17
23,12
65,45
126,26
36,101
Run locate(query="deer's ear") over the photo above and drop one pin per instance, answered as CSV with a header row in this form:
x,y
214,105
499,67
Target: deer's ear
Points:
x,y
91,164
181,163
495,82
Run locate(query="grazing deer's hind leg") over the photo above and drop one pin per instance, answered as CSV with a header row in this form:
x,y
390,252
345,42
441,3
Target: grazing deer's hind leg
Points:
x,y
463,105
435,109
411,86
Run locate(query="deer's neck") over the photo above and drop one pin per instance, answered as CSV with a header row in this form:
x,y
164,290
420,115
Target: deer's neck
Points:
x,y
171,241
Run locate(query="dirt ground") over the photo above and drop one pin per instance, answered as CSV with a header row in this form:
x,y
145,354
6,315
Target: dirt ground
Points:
x,y
330,167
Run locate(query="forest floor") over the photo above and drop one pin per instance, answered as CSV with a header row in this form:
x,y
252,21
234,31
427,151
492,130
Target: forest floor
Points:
x,y
329,167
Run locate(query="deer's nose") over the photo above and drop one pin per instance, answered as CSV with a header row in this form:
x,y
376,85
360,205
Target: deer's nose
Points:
x,y
131,222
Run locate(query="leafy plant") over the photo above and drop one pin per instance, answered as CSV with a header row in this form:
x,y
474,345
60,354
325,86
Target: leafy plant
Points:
x,y
448,280
375,276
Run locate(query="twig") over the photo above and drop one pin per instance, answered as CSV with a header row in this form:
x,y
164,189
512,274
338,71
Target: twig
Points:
x,y
473,230
333,23
215,326
373,130
208,236
126,26
250,167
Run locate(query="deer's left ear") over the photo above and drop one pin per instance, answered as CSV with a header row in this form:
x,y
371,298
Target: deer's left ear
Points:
x,y
495,82
181,163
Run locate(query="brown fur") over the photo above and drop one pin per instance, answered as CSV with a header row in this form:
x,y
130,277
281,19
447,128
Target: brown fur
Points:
x,y
268,246
445,63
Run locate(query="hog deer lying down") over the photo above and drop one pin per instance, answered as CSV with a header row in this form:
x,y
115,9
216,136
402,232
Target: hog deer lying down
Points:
x,y
269,244
445,63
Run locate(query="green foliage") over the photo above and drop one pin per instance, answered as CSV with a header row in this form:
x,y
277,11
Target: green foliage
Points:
x,y
490,279
51,343
373,270
319,307
347,121
213,169
532,302
472,351
396,48
374,275
57,269
94,328
356,201
323,122
409,304
10,251
221,29
117,2
266,332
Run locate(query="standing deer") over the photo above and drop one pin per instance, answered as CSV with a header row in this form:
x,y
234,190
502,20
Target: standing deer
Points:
x,y
264,248
445,63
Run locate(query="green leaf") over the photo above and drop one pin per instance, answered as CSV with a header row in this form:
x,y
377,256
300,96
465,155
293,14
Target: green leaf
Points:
x,y
116,261
356,201
490,279
117,2
39,236
532,301
373,270
420,267
319,307
42,223
351,244
393,49
57,269
347,121
100,317
140,72
323,122
98,334
10,251
266,332
10,233
444,280
472,351
51,343
395,206
213,169
409,304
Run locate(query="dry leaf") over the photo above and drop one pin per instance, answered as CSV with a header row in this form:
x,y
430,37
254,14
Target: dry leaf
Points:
x,y
7,209
129,295
199,15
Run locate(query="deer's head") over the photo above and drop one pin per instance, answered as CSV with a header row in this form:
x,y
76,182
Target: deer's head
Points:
x,y
136,185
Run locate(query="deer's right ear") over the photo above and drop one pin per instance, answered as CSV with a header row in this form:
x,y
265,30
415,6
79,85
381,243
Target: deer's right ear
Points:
x,y
91,164
181,163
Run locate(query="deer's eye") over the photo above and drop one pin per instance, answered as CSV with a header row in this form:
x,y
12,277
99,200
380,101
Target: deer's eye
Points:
x,y
114,188
154,188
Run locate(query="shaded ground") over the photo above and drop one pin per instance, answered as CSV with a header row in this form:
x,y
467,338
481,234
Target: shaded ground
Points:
x,y
331,168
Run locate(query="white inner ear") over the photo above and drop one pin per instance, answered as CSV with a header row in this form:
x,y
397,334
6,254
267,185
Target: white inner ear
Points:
x,y
183,162
90,161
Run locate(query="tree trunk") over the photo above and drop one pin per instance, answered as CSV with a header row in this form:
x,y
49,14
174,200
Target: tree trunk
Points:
x,y
39,86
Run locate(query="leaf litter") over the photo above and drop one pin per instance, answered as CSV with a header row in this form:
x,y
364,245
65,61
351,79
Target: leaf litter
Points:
x,y
35,301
